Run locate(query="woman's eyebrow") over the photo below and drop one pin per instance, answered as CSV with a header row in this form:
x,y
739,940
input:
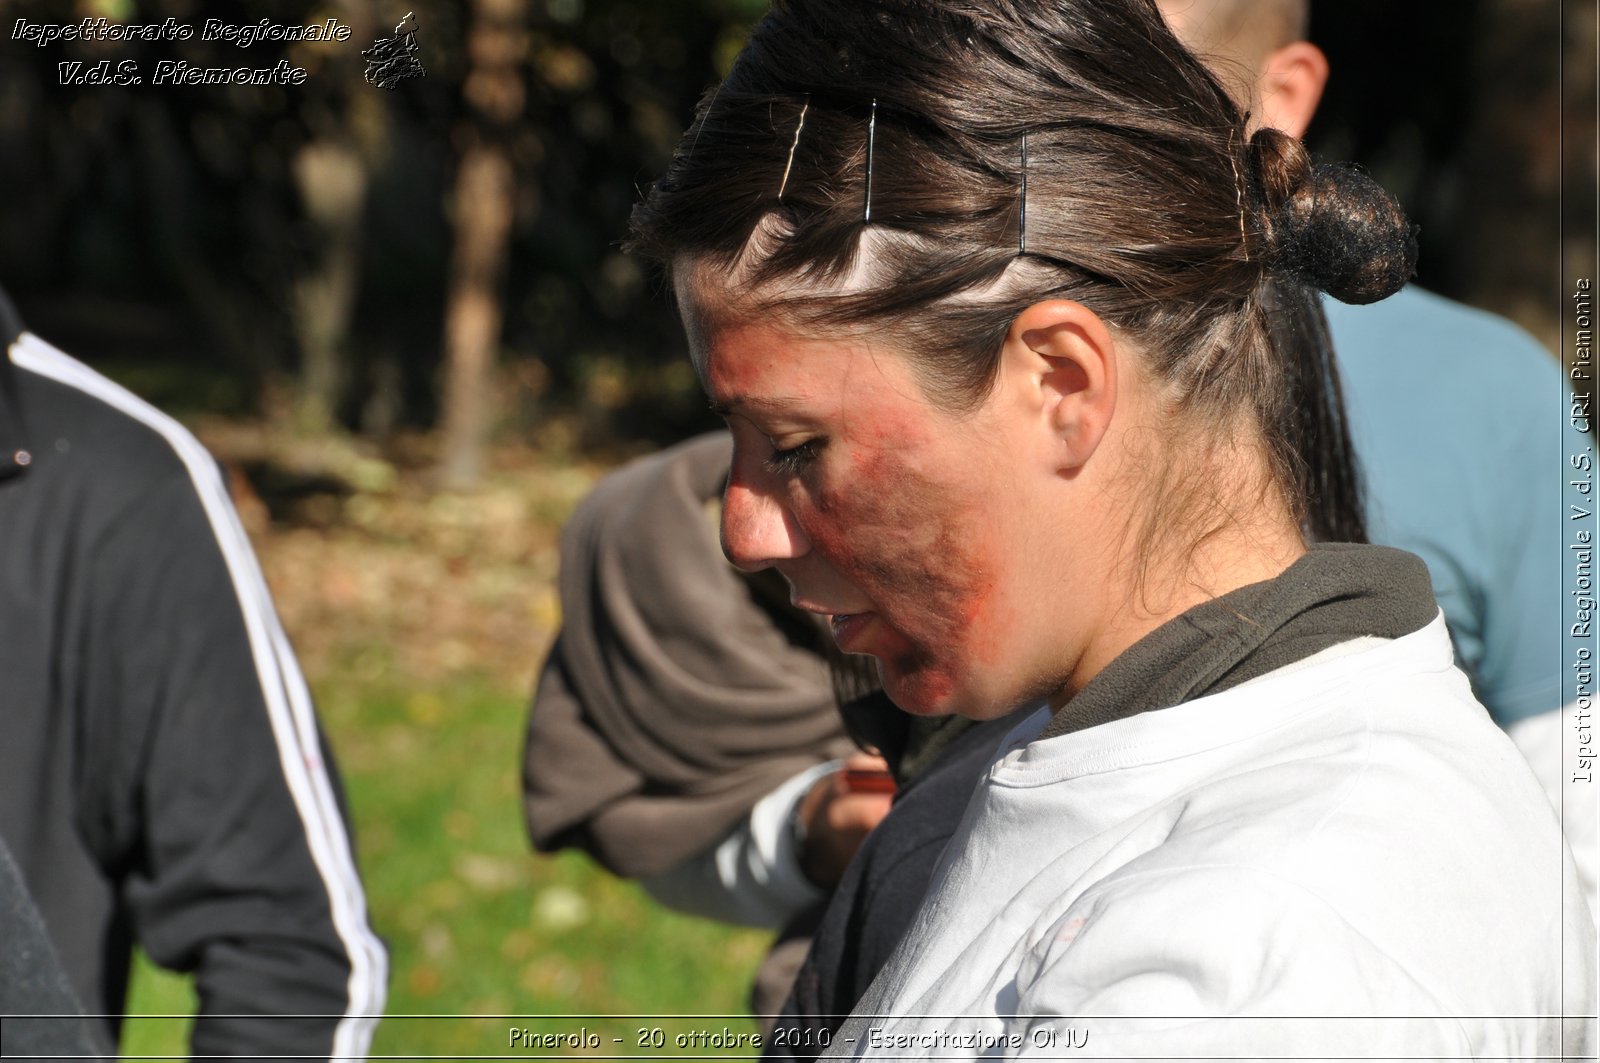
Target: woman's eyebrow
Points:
x,y
734,403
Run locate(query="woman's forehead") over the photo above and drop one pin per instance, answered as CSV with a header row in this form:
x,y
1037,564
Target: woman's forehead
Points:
x,y
758,364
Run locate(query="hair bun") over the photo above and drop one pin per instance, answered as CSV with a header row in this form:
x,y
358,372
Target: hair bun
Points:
x,y
1329,225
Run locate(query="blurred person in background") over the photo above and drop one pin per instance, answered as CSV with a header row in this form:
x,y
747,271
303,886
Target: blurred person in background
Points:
x,y
686,714
1421,376
163,781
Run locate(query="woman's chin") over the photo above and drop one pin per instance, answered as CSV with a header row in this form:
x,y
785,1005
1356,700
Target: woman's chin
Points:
x,y
922,690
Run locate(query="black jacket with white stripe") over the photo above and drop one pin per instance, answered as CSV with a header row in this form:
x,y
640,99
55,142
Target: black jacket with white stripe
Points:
x,y
162,777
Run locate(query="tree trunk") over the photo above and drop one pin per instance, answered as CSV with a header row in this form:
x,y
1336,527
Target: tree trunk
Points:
x,y
332,180
473,314
483,211
332,173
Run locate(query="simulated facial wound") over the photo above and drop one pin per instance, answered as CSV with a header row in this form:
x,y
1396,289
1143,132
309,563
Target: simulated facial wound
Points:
x,y
875,504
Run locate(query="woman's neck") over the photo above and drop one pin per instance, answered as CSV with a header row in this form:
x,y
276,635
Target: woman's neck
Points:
x,y
1251,544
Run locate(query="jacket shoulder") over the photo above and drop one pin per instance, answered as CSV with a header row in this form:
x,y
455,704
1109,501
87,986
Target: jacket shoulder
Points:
x,y
94,440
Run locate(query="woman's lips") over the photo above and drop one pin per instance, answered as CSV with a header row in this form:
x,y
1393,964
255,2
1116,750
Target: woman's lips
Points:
x,y
849,629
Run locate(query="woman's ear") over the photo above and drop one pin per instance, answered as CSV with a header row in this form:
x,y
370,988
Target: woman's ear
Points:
x,y
1063,359
1290,87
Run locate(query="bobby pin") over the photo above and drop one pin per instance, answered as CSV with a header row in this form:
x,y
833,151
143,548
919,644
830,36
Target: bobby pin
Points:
x,y
1022,203
872,141
1238,196
793,145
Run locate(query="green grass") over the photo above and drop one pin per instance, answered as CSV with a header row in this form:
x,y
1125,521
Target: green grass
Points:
x,y
475,922
158,992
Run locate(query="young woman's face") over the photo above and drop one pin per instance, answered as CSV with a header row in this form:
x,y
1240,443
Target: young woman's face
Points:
x,y
895,517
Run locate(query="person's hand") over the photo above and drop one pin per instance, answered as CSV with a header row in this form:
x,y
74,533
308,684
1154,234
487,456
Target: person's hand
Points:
x,y
838,811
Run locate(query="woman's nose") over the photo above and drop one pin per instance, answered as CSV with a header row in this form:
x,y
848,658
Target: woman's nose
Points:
x,y
758,530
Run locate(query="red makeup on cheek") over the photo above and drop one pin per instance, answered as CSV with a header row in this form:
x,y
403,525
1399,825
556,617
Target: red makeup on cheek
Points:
x,y
890,507
922,551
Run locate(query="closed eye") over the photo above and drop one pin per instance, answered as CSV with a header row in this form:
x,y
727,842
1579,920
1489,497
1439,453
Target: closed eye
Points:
x,y
793,461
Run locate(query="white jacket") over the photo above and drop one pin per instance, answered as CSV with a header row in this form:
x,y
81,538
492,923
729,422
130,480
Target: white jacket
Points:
x,y
1344,857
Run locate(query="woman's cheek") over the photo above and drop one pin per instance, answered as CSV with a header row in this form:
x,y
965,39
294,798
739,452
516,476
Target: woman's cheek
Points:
x,y
916,546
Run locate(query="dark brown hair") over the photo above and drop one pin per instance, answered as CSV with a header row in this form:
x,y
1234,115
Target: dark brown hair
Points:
x,y
1016,150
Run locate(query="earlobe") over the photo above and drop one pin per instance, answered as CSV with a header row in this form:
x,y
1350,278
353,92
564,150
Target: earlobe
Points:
x,y
1072,357
1292,80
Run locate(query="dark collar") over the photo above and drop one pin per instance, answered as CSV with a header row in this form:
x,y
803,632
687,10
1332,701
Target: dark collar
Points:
x,y
1336,592
15,454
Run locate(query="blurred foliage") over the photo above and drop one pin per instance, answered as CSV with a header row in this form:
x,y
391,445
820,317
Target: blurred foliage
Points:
x,y
199,226
165,221
1476,114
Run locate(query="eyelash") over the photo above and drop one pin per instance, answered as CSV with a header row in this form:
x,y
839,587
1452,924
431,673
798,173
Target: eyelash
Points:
x,y
794,461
